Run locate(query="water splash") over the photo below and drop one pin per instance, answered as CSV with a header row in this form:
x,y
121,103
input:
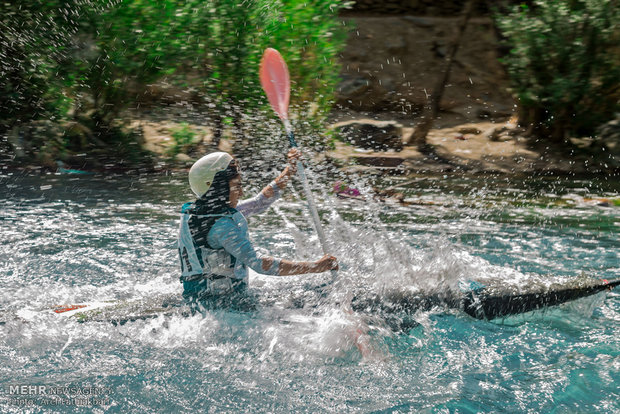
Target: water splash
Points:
x,y
289,351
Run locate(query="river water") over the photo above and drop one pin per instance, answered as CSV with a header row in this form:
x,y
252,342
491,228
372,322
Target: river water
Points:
x,y
70,239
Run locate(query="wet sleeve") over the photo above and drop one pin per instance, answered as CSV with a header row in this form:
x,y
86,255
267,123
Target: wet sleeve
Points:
x,y
259,202
226,233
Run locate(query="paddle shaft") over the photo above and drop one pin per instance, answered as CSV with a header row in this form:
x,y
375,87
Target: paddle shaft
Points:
x,y
304,181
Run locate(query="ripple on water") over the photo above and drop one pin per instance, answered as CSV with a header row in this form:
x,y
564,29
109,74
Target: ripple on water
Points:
x,y
69,243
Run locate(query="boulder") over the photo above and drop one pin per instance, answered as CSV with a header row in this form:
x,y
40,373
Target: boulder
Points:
x,y
183,158
352,88
470,130
608,135
40,140
392,63
396,44
499,134
389,161
371,134
420,21
362,92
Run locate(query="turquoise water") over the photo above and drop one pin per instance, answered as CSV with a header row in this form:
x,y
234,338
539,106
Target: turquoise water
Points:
x,y
74,239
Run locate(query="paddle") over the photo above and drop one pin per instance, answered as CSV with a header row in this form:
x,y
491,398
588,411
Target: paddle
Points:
x,y
276,83
275,80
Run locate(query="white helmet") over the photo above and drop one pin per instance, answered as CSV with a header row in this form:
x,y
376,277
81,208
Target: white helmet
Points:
x,y
202,172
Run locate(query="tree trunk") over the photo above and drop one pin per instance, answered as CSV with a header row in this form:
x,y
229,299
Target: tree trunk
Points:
x,y
532,118
418,137
218,128
558,133
239,141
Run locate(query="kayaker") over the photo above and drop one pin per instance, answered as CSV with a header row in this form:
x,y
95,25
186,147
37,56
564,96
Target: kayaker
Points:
x,y
214,246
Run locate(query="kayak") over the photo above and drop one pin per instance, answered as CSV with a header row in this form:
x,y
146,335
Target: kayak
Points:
x,y
490,301
121,312
494,304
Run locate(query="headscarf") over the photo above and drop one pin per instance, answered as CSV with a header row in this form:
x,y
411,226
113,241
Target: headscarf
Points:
x,y
216,201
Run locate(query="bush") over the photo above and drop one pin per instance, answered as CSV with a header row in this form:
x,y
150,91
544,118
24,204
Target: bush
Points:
x,y
310,37
123,45
211,47
564,65
183,137
87,61
228,43
34,38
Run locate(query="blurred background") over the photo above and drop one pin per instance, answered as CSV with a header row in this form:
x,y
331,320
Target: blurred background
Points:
x,y
381,86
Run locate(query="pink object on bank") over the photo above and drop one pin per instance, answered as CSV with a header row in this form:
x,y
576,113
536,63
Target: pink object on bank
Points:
x,y
342,188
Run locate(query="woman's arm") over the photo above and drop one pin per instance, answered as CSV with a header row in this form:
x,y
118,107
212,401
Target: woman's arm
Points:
x,y
289,268
258,203
234,242
226,233
271,192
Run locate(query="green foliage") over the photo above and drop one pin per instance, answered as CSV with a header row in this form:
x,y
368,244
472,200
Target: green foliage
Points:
x,y
34,37
87,61
310,38
231,80
564,64
125,45
183,137
228,42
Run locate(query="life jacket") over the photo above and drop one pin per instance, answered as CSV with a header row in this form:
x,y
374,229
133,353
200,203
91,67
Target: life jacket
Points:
x,y
199,262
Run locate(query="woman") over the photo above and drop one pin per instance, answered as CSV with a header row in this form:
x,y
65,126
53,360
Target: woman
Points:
x,y
214,247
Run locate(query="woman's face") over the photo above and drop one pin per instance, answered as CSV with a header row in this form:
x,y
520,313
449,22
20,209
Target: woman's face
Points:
x,y
236,192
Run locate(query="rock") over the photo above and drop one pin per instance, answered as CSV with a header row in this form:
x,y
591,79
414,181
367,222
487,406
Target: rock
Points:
x,y
362,93
608,135
371,134
493,113
391,64
396,44
500,134
40,140
378,161
419,21
352,88
470,130
582,142
387,84
389,194
440,50
182,158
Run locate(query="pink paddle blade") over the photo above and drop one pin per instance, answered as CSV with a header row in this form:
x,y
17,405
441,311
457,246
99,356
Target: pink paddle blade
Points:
x,y
275,80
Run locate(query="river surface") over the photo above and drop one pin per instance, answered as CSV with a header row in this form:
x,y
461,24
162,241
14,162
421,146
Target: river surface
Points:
x,y
70,239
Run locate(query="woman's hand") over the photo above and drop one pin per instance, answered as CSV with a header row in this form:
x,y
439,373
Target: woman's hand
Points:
x,y
293,156
326,263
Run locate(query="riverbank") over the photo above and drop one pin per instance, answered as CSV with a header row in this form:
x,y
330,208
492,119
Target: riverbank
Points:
x,y
496,147
386,67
